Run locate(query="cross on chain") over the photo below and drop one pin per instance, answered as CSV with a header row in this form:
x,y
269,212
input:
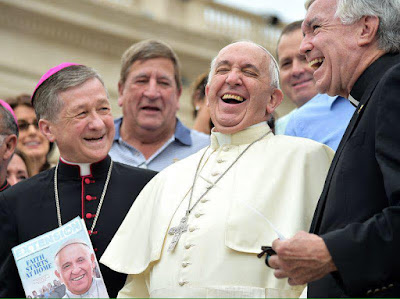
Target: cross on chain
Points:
x,y
177,231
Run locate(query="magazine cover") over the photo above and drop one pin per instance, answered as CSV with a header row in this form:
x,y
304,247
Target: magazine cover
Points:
x,y
60,264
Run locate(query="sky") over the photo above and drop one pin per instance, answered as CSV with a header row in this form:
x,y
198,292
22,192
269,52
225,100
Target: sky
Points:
x,y
286,10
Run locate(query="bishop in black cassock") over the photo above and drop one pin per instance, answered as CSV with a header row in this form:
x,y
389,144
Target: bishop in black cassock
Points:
x,y
83,131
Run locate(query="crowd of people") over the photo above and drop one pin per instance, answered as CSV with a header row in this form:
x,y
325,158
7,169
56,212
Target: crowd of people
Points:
x,y
244,204
51,290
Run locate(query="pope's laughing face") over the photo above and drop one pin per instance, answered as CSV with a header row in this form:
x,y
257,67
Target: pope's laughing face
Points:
x,y
75,266
239,92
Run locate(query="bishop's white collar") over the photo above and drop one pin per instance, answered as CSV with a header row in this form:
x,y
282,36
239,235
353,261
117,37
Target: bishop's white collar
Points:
x,y
83,167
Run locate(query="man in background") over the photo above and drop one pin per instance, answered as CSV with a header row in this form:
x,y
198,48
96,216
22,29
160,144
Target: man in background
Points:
x,y
318,117
295,75
149,135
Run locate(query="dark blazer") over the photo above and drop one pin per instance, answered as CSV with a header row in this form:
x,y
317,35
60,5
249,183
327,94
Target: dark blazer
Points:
x,y
28,210
358,214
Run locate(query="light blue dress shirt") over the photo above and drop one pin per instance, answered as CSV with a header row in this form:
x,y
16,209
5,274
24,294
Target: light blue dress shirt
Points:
x,y
182,144
281,123
323,119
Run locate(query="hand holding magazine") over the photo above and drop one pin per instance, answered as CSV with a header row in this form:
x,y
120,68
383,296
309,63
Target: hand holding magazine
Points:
x,y
60,264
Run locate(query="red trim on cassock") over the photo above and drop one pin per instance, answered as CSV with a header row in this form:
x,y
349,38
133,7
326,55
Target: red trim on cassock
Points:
x,y
4,187
82,197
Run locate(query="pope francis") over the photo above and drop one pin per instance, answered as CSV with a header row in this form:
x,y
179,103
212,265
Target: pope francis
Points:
x,y
196,229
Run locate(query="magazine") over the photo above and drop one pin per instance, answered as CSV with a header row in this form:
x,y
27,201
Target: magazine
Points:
x,y
60,264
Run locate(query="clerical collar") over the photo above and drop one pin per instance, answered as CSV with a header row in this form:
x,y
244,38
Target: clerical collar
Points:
x,y
76,170
353,101
84,167
245,136
370,77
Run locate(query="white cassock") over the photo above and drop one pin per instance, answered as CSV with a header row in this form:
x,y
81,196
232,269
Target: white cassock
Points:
x,y
279,176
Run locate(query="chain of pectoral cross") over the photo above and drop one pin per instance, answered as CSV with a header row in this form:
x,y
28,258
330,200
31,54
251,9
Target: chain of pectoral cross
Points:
x,y
177,231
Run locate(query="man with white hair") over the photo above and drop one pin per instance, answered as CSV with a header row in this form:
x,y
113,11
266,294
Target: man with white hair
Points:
x,y
319,117
202,221
354,243
75,267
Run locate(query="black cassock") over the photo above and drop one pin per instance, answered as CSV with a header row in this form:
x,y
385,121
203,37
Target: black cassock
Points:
x,y
28,210
358,213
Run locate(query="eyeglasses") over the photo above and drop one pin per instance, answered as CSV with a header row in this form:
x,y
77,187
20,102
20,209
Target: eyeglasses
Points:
x,y
24,125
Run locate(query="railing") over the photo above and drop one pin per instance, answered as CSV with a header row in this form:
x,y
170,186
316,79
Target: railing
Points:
x,y
207,17
224,20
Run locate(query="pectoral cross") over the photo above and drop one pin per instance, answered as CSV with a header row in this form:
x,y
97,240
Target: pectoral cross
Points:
x,y
177,231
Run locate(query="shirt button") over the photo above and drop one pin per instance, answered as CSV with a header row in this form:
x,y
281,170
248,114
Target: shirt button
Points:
x,y
197,215
204,200
88,197
215,173
226,149
220,160
185,264
192,229
89,215
87,181
187,246
181,282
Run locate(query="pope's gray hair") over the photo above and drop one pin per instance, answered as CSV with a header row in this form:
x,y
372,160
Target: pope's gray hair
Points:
x,y
72,242
273,65
388,12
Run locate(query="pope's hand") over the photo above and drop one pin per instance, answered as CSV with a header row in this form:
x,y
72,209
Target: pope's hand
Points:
x,y
303,258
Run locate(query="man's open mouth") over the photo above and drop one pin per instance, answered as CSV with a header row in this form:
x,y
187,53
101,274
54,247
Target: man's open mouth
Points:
x,y
232,99
78,278
94,138
316,63
301,82
32,143
151,108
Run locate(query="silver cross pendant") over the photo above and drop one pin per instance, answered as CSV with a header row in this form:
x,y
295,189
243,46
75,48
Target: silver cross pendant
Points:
x,y
177,231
